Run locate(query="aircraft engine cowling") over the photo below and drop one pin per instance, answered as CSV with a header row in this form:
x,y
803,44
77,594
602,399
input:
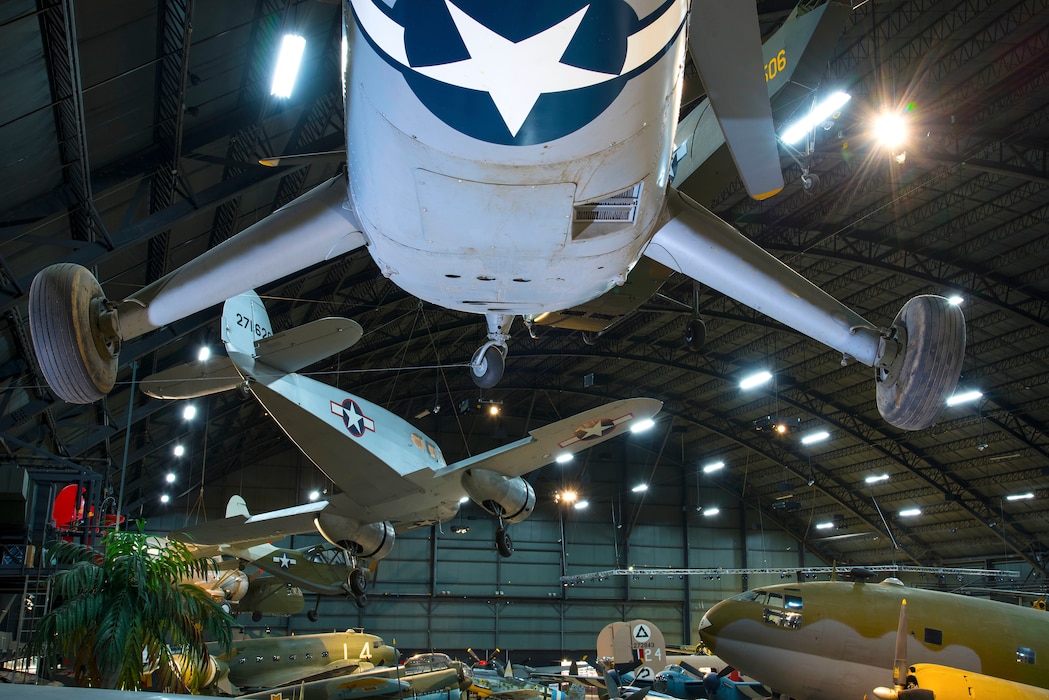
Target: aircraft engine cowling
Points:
x,y
233,584
513,498
368,540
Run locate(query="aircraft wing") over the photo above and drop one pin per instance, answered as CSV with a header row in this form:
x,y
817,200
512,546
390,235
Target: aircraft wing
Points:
x,y
238,530
191,380
276,677
570,435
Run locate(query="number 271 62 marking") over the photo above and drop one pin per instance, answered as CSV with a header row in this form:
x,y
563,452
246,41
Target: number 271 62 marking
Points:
x,y
259,330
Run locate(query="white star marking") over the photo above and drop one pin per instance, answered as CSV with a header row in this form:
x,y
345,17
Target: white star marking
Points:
x,y
616,422
596,430
284,560
515,74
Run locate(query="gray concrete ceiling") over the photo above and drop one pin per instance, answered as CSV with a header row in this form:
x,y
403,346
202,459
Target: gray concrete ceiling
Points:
x,y
130,133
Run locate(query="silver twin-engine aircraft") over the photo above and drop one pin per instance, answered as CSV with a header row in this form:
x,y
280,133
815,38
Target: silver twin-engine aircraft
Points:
x,y
390,477
514,159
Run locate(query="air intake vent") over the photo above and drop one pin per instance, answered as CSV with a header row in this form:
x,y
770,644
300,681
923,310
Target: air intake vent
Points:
x,y
618,208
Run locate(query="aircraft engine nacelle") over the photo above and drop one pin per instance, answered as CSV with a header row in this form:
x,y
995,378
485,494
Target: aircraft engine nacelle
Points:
x,y
198,677
233,584
368,540
513,498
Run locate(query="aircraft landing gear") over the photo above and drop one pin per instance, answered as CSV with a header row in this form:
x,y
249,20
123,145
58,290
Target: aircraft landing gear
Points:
x,y
75,333
696,329
503,543
361,601
312,615
919,361
486,365
358,581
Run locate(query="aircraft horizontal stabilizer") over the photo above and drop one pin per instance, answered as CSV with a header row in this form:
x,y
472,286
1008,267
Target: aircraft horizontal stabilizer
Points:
x,y
193,379
295,348
263,527
570,435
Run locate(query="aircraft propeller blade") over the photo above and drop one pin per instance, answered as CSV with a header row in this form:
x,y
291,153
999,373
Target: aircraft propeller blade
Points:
x,y
304,158
900,668
736,88
691,670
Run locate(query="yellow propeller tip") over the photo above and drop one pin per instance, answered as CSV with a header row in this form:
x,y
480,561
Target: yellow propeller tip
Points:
x,y
270,162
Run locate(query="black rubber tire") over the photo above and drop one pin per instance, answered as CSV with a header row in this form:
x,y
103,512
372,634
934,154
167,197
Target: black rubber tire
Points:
x,y
63,301
256,616
361,601
915,389
491,370
358,581
311,615
695,334
503,543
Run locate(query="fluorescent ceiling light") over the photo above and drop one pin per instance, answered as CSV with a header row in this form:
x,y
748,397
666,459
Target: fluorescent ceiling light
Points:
x,y
580,505
824,526
291,48
964,397
464,499
164,498
711,512
179,450
1020,496
170,478
890,129
815,437
642,425
713,467
910,512
189,412
640,488
203,354
955,300
874,479
564,458
314,495
821,112
755,380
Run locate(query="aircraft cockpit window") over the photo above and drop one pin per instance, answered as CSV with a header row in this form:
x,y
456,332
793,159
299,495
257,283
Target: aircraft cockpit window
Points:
x,y
750,596
792,602
421,663
1024,655
775,600
782,611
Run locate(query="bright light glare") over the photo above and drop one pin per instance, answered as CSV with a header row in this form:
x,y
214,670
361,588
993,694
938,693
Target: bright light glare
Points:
x,y
874,479
890,129
291,48
203,354
955,300
464,499
189,412
314,495
821,112
910,512
642,425
580,505
170,478
815,437
824,526
711,512
755,380
964,397
1020,496
179,450
713,467
640,488
564,458
567,496
164,498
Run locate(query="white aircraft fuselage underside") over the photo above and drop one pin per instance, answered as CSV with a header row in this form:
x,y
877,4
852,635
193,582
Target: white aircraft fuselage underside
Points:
x,y
488,227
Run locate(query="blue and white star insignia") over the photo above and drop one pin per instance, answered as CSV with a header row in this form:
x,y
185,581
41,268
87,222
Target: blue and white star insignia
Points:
x,y
353,417
284,560
596,428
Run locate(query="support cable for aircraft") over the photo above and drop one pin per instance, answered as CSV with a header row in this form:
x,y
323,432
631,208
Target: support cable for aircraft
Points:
x,y
575,579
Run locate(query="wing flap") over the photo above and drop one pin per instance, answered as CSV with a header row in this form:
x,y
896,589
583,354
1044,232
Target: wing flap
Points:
x,y
570,435
193,379
295,348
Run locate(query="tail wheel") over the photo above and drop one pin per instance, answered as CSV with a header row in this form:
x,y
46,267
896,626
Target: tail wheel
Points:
x,y
311,615
695,334
73,333
503,543
256,616
358,582
921,362
486,367
361,601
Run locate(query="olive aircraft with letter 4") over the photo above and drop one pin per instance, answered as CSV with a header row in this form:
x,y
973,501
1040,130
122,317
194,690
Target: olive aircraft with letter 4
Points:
x,y
833,640
390,476
516,159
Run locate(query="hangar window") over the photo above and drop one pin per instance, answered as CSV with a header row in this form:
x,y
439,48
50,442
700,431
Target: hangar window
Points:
x,y
933,636
1024,655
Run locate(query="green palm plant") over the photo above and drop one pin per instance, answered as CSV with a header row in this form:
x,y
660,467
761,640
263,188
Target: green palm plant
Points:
x,y
122,608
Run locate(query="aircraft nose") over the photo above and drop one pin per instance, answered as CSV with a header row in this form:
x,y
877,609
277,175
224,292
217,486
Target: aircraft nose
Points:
x,y
711,624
